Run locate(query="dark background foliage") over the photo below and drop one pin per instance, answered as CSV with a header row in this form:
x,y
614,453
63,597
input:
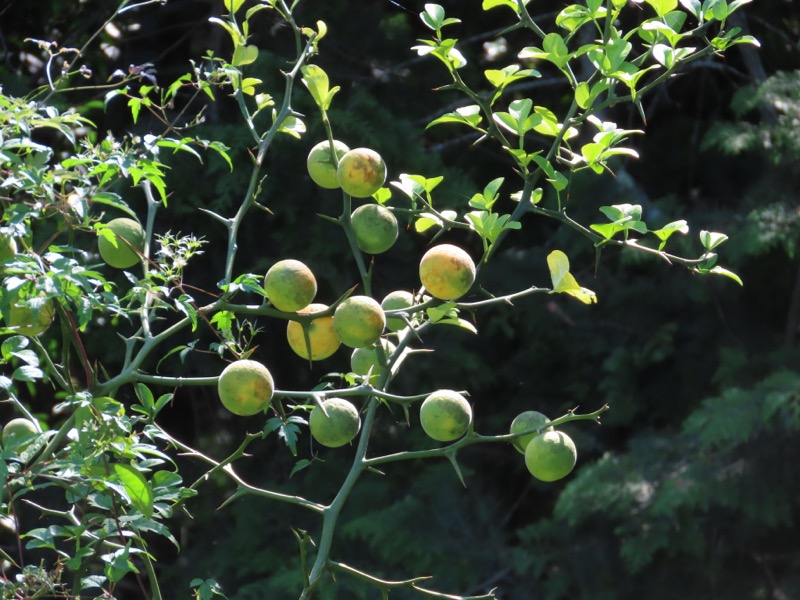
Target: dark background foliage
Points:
x,y
690,487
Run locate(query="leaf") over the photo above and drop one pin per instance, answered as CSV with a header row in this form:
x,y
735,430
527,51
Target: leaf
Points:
x,y
711,239
665,232
233,5
144,395
299,466
512,4
582,95
563,281
136,487
316,80
662,7
726,273
27,373
244,55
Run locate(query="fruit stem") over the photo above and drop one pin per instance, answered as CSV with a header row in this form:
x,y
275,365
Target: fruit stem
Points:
x,y
345,223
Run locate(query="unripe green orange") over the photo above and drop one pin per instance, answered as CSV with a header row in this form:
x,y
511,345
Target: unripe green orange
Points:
x,y
447,272
339,427
361,172
375,228
364,359
322,338
525,421
445,415
245,387
290,285
359,321
18,431
31,316
320,166
397,300
118,254
551,456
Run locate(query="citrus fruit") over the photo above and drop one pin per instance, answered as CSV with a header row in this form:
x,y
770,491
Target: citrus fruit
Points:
x,y
359,321
339,427
447,272
31,316
245,387
17,431
119,254
364,359
322,339
397,300
320,166
290,285
524,421
550,456
375,228
445,415
361,172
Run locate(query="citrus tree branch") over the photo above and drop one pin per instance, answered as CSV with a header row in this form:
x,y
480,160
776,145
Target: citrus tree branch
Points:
x,y
475,438
386,585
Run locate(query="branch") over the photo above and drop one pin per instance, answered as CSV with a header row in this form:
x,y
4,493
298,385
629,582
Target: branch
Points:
x,y
387,585
475,438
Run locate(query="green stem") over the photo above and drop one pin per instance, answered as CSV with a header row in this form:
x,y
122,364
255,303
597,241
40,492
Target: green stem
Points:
x,y
475,438
244,488
386,585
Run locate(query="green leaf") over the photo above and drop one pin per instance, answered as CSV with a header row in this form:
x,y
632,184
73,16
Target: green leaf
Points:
x,y
136,487
433,17
564,282
466,115
233,5
292,125
583,95
711,239
512,4
726,273
118,564
316,80
244,55
144,395
554,49
662,7
665,232
299,466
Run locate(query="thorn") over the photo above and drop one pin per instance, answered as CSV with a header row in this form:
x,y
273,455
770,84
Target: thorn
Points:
x,y
454,462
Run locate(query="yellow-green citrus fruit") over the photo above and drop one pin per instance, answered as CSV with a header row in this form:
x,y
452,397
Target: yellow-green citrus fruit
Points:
x,y
375,228
290,285
445,415
361,172
525,421
364,359
359,321
397,300
245,387
18,431
122,256
447,272
29,320
320,166
550,456
322,339
339,427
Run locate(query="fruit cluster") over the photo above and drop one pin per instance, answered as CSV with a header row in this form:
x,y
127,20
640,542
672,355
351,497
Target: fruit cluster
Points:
x,y
446,273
